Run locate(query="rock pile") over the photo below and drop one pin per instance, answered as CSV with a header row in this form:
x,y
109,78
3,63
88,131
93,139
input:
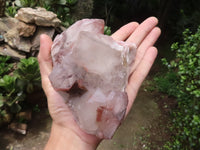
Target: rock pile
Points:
x,y
19,36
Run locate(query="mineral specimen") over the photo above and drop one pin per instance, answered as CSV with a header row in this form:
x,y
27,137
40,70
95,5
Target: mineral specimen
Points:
x,y
90,71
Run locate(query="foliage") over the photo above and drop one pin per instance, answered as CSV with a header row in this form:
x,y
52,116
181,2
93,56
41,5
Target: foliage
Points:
x,y
28,73
12,93
14,88
186,118
4,66
167,84
188,63
107,30
11,9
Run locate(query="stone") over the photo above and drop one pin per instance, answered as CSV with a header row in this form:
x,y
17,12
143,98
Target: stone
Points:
x,y
10,33
7,23
35,41
15,41
38,16
19,127
8,51
26,30
91,71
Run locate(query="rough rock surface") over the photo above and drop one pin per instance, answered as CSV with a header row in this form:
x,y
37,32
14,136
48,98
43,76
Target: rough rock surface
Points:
x,y
26,30
15,41
21,39
7,24
39,16
8,51
91,71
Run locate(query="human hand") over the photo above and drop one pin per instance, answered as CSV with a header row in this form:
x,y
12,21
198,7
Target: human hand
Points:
x,y
65,132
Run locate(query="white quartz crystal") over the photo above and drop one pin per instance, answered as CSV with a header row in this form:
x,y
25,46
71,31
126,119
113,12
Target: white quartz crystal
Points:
x,y
90,71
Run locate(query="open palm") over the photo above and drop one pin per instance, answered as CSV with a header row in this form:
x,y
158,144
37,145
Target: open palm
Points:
x,y
143,35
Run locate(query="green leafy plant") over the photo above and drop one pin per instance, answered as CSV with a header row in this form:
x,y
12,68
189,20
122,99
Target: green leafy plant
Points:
x,y
167,83
11,10
15,87
12,94
28,74
4,66
187,63
107,30
186,117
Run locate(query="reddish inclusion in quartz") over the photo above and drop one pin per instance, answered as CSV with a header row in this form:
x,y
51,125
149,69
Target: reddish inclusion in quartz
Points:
x,y
100,110
99,66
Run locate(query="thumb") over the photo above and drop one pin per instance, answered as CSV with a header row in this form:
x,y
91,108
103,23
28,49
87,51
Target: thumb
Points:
x,y
44,56
45,61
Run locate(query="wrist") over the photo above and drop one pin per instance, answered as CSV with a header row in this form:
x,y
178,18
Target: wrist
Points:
x,y
65,139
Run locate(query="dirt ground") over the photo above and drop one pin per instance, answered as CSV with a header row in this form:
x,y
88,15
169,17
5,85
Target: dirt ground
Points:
x,y
144,128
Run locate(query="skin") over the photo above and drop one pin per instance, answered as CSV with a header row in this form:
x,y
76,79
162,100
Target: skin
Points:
x,y
65,134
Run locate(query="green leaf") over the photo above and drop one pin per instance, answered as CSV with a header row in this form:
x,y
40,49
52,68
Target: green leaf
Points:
x,y
107,30
8,82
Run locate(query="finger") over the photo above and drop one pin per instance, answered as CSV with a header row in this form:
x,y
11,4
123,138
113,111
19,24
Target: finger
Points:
x,y
140,74
44,56
45,62
149,41
143,30
124,32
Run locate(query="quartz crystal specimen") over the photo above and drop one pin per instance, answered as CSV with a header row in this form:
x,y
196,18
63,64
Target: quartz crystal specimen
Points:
x,y
90,71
